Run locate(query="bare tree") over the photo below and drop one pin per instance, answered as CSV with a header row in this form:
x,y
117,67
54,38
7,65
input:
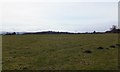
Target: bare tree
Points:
x,y
113,28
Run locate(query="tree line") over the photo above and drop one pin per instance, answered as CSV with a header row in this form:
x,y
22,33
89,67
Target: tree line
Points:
x,y
112,30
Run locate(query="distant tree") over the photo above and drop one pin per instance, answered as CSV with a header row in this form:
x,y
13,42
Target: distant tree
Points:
x,y
13,33
7,33
113,29
94,32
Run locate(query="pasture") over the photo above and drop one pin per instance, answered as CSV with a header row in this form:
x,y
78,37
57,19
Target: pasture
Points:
x,y
60,52
0,52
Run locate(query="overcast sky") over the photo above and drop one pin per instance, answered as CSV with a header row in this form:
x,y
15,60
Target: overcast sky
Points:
x,y
59,16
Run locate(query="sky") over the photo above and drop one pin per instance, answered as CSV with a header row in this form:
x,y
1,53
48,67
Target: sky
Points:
x,y
27,16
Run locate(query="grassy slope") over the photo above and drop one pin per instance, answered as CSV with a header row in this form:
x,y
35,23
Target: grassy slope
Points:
x,y
56,52
0,52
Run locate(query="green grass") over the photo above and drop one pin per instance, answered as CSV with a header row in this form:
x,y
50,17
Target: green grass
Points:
x,y
0,52
60,52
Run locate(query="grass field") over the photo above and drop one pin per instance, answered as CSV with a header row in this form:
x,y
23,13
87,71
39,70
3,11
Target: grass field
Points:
x,y
60,52
0,52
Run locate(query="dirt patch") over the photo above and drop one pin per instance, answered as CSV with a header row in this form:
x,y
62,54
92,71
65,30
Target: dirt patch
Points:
x,y
100,48
112,46
87,51
117,44
107,48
